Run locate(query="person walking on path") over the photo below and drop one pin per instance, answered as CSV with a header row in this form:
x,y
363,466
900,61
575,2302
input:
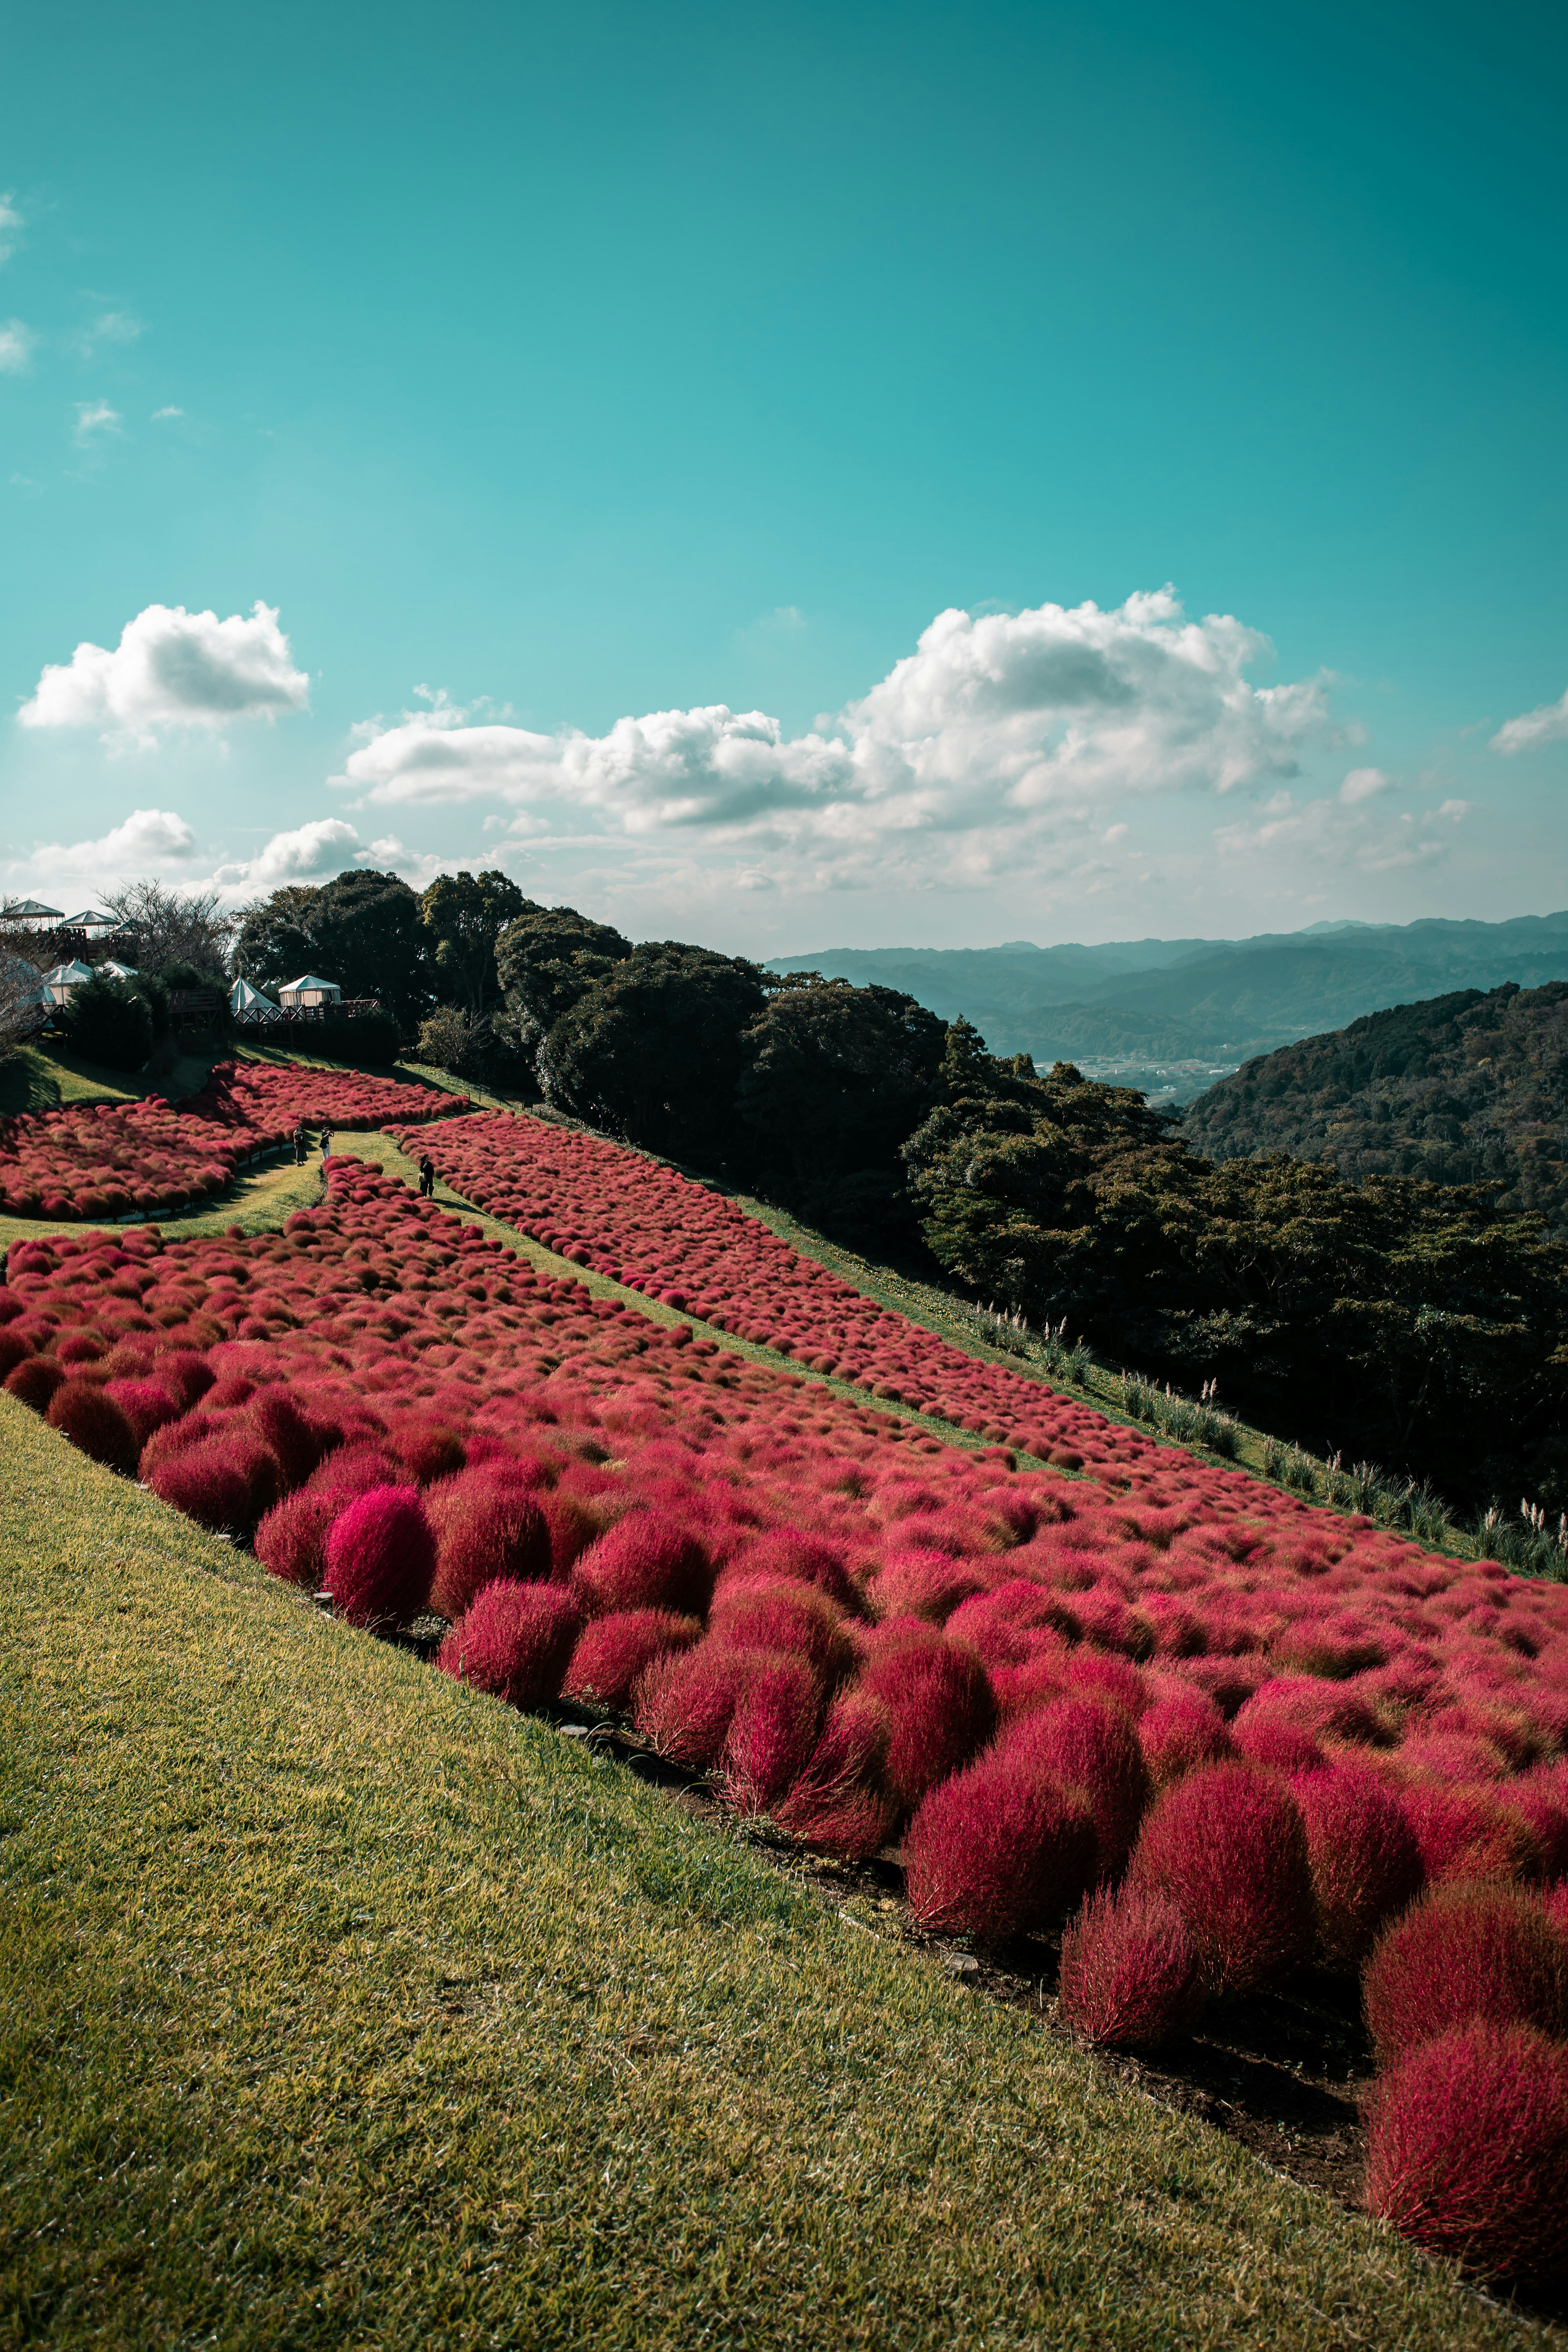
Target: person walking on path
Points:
x,y
426,1178
302,1143
326,1139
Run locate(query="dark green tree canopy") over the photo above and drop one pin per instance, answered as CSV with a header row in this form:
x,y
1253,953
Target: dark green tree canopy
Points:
x,y
465,915
362,929
653,1050
546,959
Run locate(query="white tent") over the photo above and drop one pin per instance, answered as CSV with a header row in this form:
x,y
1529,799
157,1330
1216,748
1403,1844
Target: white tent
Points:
x,y
247,1004
112,971
63,979
308,990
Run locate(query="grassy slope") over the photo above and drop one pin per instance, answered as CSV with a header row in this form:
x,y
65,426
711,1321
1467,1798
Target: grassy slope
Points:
x,y
43,1077
342,2006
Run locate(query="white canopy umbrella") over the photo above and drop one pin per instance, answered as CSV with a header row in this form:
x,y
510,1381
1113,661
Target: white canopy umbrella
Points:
x,y
63,979
310,990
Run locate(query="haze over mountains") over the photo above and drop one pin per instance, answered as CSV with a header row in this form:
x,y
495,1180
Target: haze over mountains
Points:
x,y
1171,1015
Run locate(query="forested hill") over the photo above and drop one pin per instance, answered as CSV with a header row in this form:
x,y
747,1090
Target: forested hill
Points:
x,y
1149,1001
1464,1089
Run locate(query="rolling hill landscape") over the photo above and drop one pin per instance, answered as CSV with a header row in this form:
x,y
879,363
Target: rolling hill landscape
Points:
x,y
1171,1015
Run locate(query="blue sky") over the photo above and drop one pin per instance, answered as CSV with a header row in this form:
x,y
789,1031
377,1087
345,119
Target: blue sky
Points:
x,y
615,375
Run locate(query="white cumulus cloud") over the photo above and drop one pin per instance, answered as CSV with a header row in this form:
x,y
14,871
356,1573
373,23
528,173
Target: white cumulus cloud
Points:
x,y
94,417
18,344
999,731
172,668
1363,784
149,841
1548,724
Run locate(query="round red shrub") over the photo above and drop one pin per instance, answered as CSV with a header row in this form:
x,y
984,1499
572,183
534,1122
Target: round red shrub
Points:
x,y
646,1561
32,1383
760,1612
1226,1844
1365,1863
805,1560
611,1653
299,1442
772,1732
1090,1748
1468,2151
1132,1976
1463,1954
381,1557
80,1410
938,1704
841,1802
1277,1746
222,1482
485,1528
920,1584
1470,1834
684,1703
514,1642
14,1350
995,1851
1180,1730
146,1401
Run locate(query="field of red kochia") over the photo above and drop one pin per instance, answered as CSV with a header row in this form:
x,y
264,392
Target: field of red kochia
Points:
x,y
1206,1733
140,1158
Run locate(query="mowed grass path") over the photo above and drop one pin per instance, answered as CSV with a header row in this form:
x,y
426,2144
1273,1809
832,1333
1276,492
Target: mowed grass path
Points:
x,y
342,2006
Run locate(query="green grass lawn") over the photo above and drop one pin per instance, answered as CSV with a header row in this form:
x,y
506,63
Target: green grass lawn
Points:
x,y
45,1078
342,2006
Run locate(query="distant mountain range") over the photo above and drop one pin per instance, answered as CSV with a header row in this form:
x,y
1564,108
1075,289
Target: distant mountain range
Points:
x,y
1464,1089
1171,1015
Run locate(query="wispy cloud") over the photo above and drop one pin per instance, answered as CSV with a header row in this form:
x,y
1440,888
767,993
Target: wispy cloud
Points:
x,y
11,225
159,414
18,344
109,327
1546,724
93,419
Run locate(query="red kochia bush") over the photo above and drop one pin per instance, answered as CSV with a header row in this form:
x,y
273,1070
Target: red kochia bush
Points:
x,y
1463,1954
997,1850
1468,2151
1132,1976
299,1442
644,1561
1365,1863
14,1350
684,1703
612,1652
920,1584
226,1482
805,1560
34,1383
515,1641
1226,1844
939,1703
768,1614
381,1557
80,1410
291,1541
1093,1749
1180,1731
1466,1833
841,1802
772,1732
485,1528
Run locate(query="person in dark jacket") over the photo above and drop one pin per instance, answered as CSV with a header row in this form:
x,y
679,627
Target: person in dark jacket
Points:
x,y
326,1139
302,1143
426,1178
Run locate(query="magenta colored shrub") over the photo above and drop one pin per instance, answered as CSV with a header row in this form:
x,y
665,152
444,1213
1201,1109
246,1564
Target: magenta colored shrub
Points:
x,y
14,1350
1365,1863
485,1528
772,1732
1470,1834
353,1469
32,1383
1179,1731
147,1403
1468,2151
1463,1954
1277,1746
612,1652
80,1410
918,1583
428,1450
1096,1673
80,1348
187,1371
1132,1976
939,1703
683,1704
752,1612
381,1557
1091,1750
1540,1800
223,1482
1226,1844
291,1541
514,1642
805,1560
840,1803
996,1850
299,1442
644,1561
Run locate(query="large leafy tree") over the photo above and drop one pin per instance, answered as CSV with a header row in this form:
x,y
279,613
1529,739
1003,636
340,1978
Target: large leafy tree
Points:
x,y
362,929
464,914
654,1048
546,962
835,1079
